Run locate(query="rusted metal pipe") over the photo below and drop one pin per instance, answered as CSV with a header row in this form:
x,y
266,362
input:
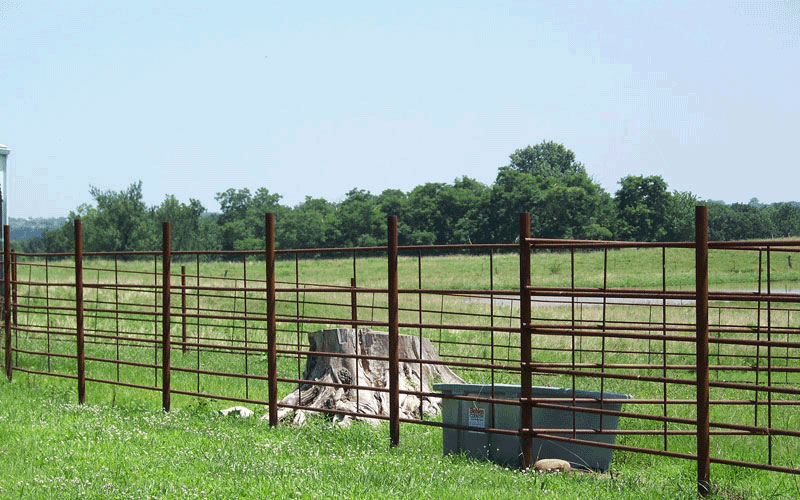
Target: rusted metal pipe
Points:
x,y
79,341
353,304
526,390
14,298
183,308
7,298
701,308
166,321
272,357
394,336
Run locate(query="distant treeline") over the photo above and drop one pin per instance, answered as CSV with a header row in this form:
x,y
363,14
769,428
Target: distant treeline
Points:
x,y
25,229
544,180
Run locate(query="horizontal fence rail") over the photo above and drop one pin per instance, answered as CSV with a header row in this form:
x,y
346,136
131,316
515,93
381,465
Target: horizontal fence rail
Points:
x,y
710,375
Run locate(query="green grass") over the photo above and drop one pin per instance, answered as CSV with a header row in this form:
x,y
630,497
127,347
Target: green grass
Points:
x,y
145,452
53,448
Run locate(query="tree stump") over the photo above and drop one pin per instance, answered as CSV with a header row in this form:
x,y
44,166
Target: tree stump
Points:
x,y
413,376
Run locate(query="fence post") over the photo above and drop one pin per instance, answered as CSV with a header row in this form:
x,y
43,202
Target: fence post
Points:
x,y
183,308
701,308
272,356
79,312
14,287
7,297
166,323
525,339
354,305
394,336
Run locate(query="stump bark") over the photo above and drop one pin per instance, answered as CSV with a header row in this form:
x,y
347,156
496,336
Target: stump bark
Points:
x,y
413,376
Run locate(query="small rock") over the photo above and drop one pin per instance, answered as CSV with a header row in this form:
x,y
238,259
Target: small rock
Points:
x,y
239,411
551,465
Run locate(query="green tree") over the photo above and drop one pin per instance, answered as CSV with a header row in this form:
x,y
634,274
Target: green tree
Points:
x,y
463,207
63,238
546,159
359,220
512,193
310,224
118,221
738,221
262,203
752,222
642,204
233,205
680,216
184,221
721,221
396,202
210,235
242,217
784,218
548,182
575,207
425,218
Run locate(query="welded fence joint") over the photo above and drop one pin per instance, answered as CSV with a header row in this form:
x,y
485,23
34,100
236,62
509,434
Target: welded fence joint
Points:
x,y
701,308
79,327
394,335
526,391
166,320
7,299
272,355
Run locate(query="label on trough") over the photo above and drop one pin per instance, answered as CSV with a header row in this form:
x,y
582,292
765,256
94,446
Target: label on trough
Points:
x,y
477,417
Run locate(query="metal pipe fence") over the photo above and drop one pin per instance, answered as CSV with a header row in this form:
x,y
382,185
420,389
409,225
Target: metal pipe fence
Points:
x,y
714,373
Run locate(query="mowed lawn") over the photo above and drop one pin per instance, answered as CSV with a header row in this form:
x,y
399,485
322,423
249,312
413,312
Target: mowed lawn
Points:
x,y
121,445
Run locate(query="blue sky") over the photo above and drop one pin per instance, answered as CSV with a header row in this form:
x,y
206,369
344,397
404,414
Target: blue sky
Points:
x,y
318,98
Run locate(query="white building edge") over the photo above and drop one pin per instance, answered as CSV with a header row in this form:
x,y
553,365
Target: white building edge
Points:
x,y
4,151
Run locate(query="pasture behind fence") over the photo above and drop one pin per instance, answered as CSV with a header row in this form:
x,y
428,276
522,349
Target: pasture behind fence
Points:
x,y
713,372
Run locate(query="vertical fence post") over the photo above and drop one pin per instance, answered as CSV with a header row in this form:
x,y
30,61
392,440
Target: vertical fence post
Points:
x,y
394,337
7,297
166,323
525,339
272,356
354,306
79,311
14,287
701,307
183,308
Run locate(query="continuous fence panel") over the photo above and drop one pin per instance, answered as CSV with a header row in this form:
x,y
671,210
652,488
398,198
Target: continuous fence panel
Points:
x,y
682,364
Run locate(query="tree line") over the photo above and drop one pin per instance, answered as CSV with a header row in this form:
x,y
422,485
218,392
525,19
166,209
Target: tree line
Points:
x,y
31,227
545,180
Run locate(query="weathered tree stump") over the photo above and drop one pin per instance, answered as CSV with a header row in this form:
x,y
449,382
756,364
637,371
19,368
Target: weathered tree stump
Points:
x,y
413,376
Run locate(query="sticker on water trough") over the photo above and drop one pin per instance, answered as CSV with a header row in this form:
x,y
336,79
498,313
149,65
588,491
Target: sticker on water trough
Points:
x,y
477,417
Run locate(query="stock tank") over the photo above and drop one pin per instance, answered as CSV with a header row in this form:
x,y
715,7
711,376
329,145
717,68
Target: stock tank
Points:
x,y
506,449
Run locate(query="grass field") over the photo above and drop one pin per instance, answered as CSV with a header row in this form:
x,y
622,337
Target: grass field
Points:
x,y
53,448
122,445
